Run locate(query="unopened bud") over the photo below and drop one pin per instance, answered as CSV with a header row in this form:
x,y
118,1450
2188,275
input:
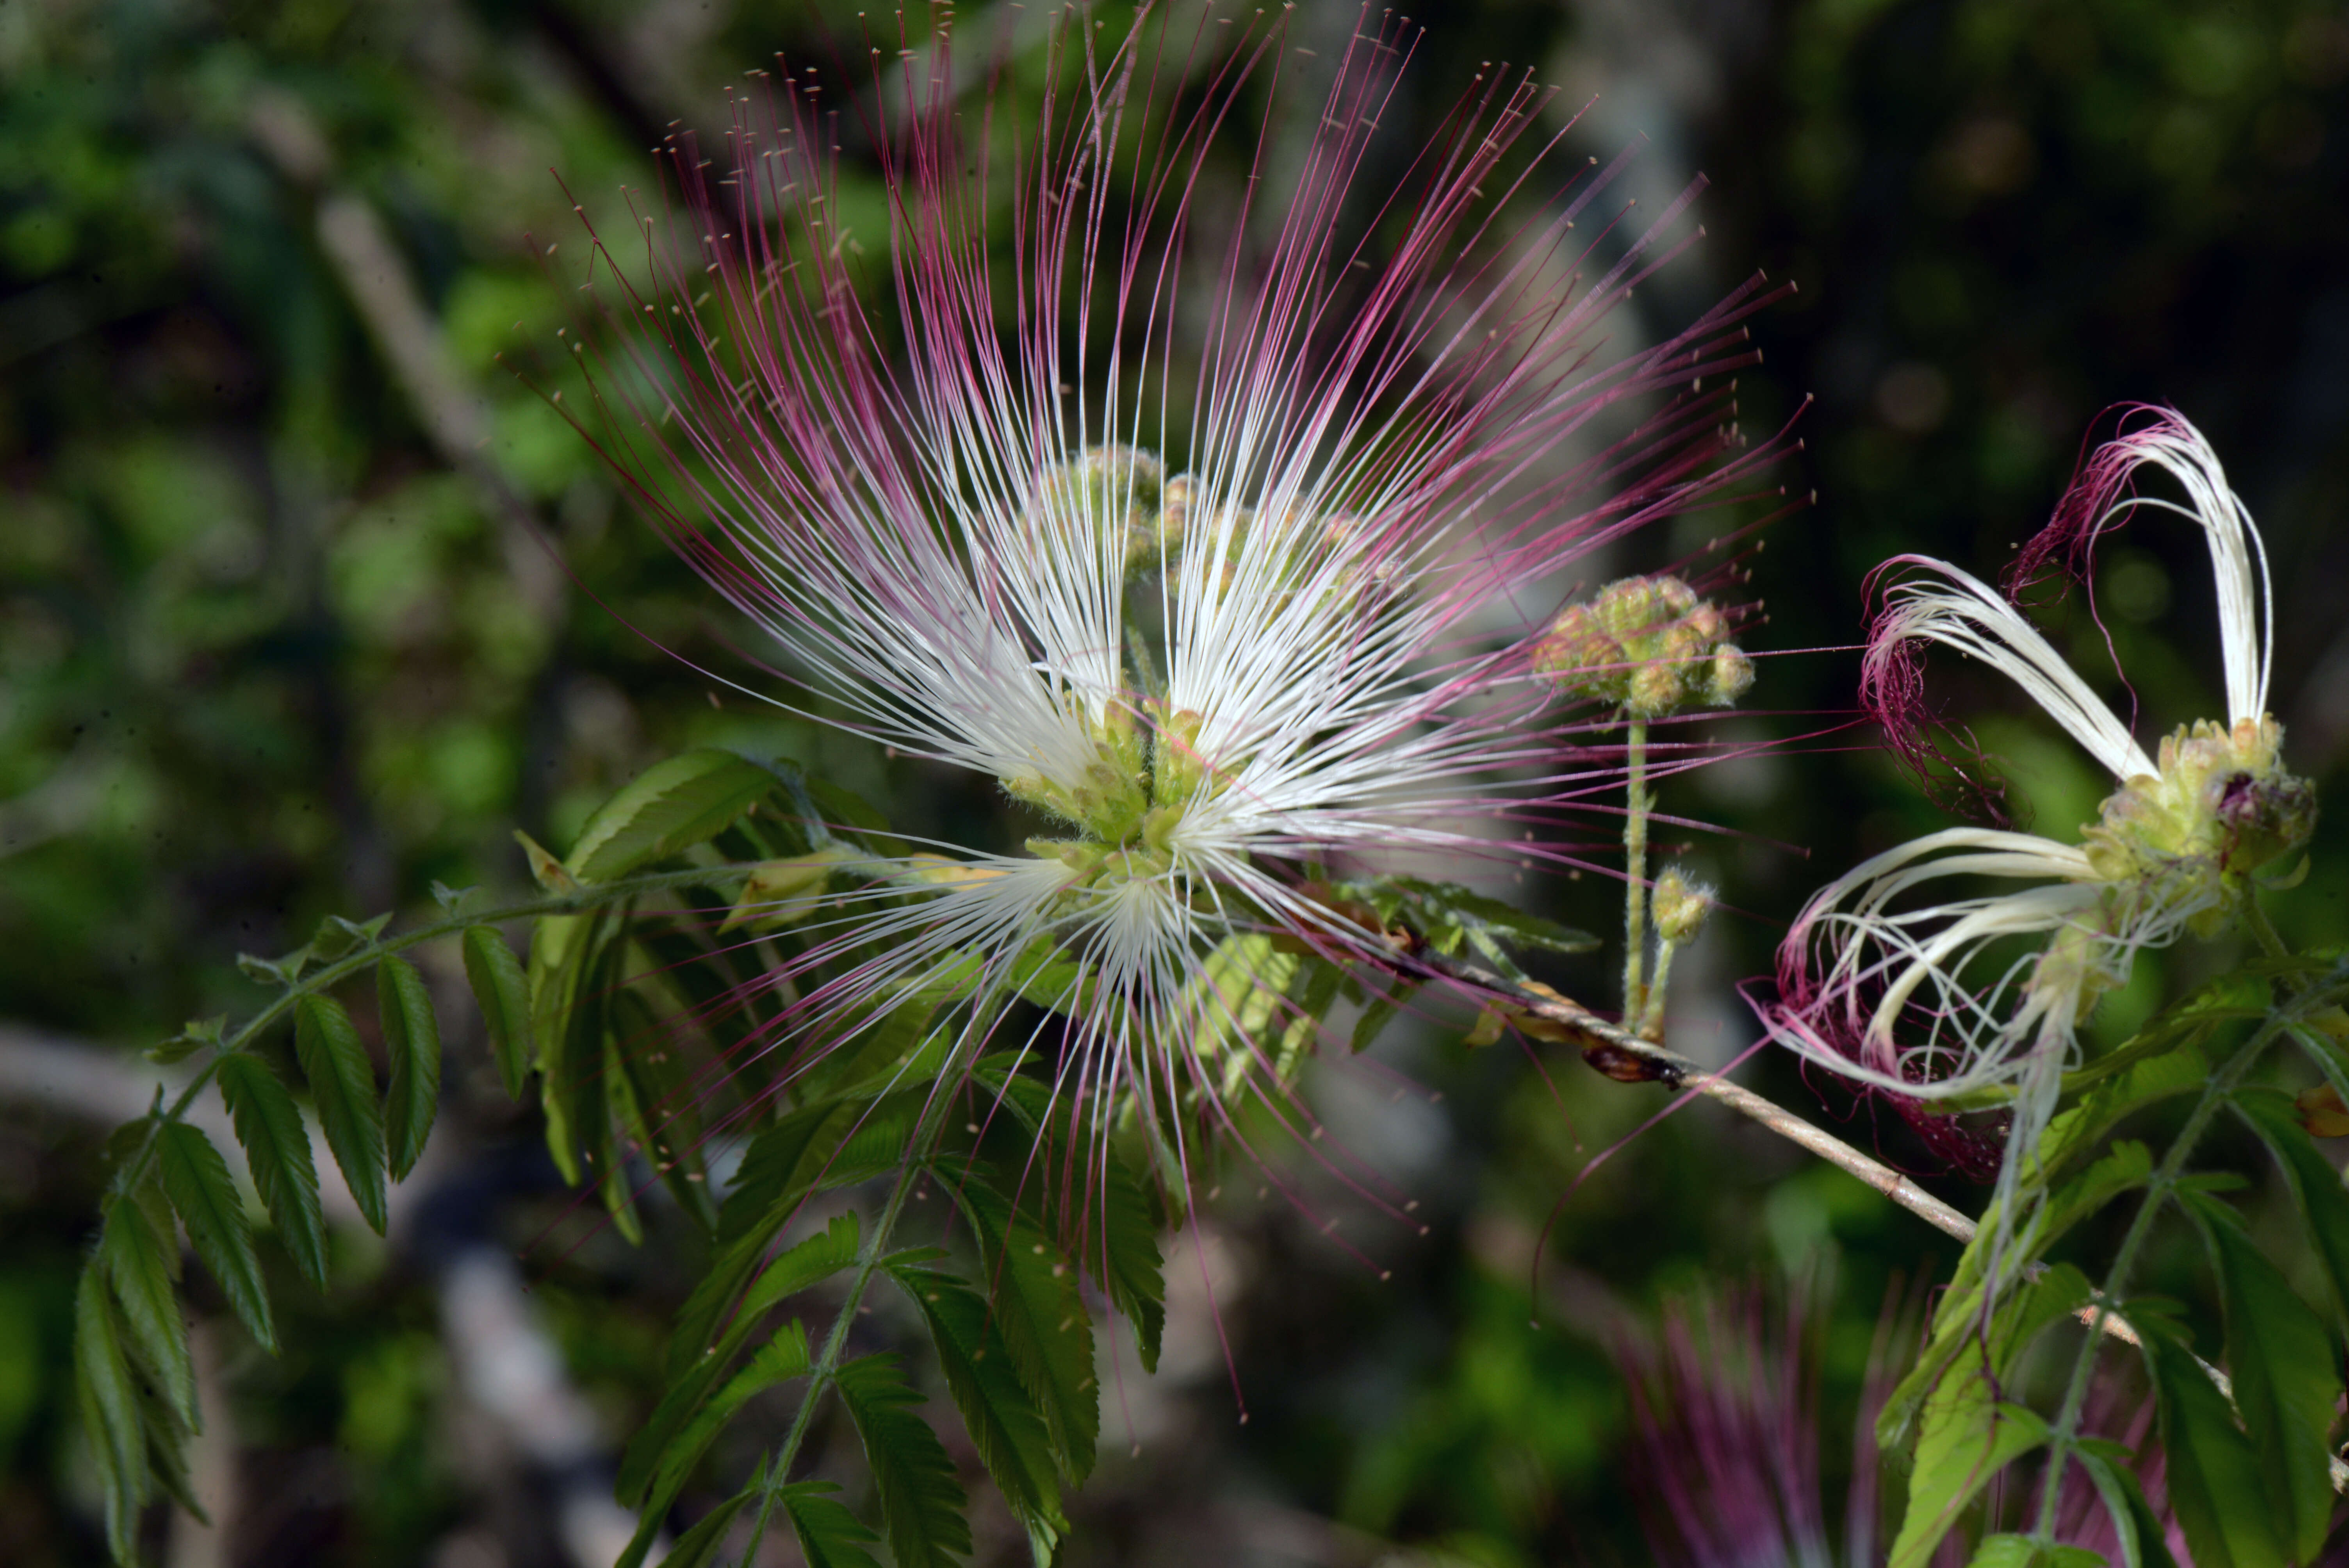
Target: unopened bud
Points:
x,y
1732,673
1679,907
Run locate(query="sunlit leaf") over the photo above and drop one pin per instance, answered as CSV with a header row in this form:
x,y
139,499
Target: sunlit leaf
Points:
x,y
673,804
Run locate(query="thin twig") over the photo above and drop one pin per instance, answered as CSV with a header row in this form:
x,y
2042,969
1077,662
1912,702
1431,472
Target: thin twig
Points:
x,y
1618,1054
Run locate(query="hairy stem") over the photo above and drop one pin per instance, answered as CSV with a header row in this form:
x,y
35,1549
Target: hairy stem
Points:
x,y
1635,872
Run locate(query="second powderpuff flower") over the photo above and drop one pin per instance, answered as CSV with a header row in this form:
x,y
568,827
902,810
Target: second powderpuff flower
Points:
x,y
1928,1000
1182,516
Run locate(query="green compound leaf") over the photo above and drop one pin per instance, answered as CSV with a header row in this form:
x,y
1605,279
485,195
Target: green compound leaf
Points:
x,y
2143,1537
342,1084
277,1151
110,1405
2287,1383
499,991
136,1263
698,1547
921,1503
1035,1307
411,1039
2212,1473
998,1408
830,1536
2324,1204
196,1179
671,806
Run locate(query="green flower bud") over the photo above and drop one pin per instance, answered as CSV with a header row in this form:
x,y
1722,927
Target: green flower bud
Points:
x,y
1679,907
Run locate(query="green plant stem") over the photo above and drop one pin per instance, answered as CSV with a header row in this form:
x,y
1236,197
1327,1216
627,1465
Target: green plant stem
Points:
x,y
778,1468
1635,874
2157,1191
588,895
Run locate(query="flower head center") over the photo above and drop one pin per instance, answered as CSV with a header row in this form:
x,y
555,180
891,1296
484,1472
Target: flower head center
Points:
x,y
2221,798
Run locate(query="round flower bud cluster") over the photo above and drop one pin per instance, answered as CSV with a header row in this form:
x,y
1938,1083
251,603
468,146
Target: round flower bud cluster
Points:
x,y
1648,645
1679,907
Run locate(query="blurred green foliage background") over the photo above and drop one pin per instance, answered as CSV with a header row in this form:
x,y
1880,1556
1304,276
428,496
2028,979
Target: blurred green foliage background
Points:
x,y
281,635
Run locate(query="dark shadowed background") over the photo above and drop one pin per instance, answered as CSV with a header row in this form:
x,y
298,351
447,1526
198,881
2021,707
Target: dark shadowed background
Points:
x,y
279,639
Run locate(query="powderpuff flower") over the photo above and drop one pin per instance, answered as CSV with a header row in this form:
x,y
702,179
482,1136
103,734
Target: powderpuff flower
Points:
x,y
1927,999
1180,519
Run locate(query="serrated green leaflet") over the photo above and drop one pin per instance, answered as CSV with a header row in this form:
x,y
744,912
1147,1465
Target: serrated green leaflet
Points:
x,y
110,1410
807,1151
1117,1241
802,1265
2322,1202
499,990
196,1179
2287,1383
830,1536
698,1547
781,1359
2142,1539
1966,1439
655,1102
1966,1434
134,1256
411,1040
277,1151
1034,1306
673,804
921,1501
998,1408
2211,1473
342,1086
